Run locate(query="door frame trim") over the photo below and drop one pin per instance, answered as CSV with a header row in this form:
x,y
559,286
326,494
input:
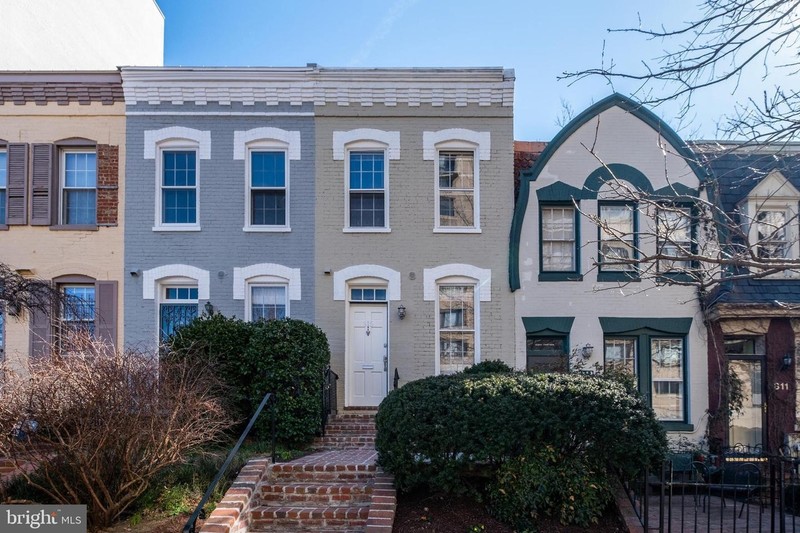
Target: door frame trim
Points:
x,y
367,283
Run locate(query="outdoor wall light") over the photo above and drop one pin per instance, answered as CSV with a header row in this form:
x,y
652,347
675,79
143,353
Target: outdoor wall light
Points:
x,y
587,351
401,312
209,307
786,361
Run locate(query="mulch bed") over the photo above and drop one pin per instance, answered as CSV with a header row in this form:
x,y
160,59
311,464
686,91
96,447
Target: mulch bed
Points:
x,y
421,511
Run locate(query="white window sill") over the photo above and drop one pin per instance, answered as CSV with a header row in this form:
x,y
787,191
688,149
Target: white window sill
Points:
x,y
267,229
366,230
176,227
457,230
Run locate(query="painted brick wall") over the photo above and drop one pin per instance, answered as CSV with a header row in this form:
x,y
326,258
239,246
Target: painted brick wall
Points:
x,y
412,245
221,245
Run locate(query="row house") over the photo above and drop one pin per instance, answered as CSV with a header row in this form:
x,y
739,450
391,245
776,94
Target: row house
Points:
x,y
754,318
577,303
62,152
372,202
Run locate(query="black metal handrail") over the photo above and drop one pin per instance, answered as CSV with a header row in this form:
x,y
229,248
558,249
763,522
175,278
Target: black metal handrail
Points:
x,y
189,527
396,382
329,379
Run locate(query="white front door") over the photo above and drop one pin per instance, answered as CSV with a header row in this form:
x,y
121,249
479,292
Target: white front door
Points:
x,y
367,350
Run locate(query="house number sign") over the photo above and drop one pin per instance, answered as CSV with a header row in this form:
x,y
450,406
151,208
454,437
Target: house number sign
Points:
x,y
781,385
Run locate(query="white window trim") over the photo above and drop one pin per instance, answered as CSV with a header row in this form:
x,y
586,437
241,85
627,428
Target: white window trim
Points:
x,y
283,274
62,180
341,139
154,138
286,138
367,146
460,146
170,146
456,280
264,281
481,139
431,278
378,273
161,275
265,145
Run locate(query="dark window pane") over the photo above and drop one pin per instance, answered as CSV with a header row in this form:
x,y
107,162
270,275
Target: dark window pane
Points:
x,y
268,208
80,206
179,169
268,169
179,206
175,316
367,210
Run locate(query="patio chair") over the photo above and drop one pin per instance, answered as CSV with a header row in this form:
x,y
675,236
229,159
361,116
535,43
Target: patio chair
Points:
x,y
747,481
701,478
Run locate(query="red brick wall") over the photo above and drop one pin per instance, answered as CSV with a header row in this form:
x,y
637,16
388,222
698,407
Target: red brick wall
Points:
x,y
107,184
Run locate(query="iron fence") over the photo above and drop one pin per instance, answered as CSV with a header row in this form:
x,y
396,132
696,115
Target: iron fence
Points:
x,y
739,491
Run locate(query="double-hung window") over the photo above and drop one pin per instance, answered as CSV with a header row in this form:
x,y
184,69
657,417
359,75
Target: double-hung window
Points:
x,y
456,189
178,188
77,316
366,195
268,185
456,331
558,240
178,307
617,237
268,302
78,187
3,185
667,367
674,233
620,354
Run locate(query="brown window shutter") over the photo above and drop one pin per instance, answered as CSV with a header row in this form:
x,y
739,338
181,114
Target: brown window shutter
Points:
x,y
105,317
17,206
107,184
41,184
41,339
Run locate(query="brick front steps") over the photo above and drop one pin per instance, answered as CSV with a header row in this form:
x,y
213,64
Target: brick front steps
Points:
x,y
337,489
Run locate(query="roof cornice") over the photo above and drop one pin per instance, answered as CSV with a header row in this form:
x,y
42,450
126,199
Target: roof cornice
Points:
x,y
319,86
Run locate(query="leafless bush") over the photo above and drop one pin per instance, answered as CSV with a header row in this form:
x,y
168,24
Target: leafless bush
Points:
x,y
99,424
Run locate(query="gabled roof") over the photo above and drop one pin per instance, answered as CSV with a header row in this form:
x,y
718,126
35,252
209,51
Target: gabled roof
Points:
x,y
736,174
616,99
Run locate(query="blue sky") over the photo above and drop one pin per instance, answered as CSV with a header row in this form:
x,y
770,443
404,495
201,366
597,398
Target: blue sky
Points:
x,y
539,40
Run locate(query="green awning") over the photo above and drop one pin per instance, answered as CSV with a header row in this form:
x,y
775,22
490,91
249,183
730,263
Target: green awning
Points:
x,y
559,325
668,326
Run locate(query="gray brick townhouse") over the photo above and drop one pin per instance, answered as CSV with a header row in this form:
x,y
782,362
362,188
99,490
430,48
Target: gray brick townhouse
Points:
x,y
373,202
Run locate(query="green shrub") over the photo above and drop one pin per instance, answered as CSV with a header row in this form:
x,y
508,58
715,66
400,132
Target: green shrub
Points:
x,y
438,430
544,482
284,356
220,342
488,367
288,357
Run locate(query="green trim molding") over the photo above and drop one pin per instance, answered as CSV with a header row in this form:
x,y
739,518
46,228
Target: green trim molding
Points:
x,y
615,171
648,326
548,326
616,99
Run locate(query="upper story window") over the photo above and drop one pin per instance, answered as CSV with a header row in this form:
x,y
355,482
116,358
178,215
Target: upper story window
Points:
x,y
674,234
178,187
769,218
456,189
366,196
558,242
617,237
772,235
176,151
78,187
3,185
457,153
268,190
